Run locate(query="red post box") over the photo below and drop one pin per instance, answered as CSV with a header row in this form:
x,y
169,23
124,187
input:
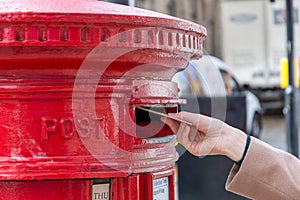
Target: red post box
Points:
x,y
72,74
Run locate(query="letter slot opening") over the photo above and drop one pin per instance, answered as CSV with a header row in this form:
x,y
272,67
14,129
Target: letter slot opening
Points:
x,y
149,124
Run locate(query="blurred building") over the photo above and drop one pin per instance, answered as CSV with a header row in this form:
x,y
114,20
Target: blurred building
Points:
x,y
204,12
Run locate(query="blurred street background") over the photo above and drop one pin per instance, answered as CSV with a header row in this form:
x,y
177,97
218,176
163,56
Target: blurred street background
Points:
x,y
274,131
250,36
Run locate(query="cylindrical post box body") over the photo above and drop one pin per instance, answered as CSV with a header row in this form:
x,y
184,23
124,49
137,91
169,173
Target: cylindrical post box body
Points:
x,y
72,76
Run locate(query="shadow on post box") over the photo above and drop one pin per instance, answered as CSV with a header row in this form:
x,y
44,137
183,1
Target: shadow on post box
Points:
x,y
205,178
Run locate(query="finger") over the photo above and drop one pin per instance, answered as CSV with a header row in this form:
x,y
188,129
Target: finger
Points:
x,y
194,148
193,133
197,144
174,125
180,133
184,137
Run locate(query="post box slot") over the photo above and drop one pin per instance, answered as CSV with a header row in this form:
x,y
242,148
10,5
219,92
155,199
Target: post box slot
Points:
x,y
149,125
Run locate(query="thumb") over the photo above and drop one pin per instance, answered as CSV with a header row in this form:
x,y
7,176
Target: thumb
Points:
x,y
174,125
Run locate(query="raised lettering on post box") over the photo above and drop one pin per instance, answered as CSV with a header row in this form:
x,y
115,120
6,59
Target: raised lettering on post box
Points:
x,y
67,129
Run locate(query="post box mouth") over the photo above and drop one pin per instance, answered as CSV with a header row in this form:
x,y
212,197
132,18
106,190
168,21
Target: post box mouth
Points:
x,y
150,125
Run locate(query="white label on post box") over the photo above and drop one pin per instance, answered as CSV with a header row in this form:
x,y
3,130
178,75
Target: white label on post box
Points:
x,y
161,189
100,191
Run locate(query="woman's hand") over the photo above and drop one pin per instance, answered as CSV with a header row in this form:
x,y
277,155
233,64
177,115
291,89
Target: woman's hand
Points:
x,y
207,136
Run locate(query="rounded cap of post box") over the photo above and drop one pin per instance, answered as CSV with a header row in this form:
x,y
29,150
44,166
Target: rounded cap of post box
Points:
x,y
113,13
66,31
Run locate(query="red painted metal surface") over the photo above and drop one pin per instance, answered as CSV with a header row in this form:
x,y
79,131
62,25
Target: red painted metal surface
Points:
x,y
71,76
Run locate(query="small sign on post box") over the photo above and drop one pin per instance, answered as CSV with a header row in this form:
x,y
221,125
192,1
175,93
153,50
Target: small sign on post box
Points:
x,y
101,191
161,188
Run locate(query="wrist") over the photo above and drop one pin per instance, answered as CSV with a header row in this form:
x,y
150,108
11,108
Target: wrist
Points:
x,y
234,143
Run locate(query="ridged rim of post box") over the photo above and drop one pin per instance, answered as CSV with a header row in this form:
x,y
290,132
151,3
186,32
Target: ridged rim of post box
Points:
x,y
91,23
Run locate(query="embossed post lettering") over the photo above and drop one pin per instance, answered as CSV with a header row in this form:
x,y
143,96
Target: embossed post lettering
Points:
x,y
83,127
48,125
67,127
